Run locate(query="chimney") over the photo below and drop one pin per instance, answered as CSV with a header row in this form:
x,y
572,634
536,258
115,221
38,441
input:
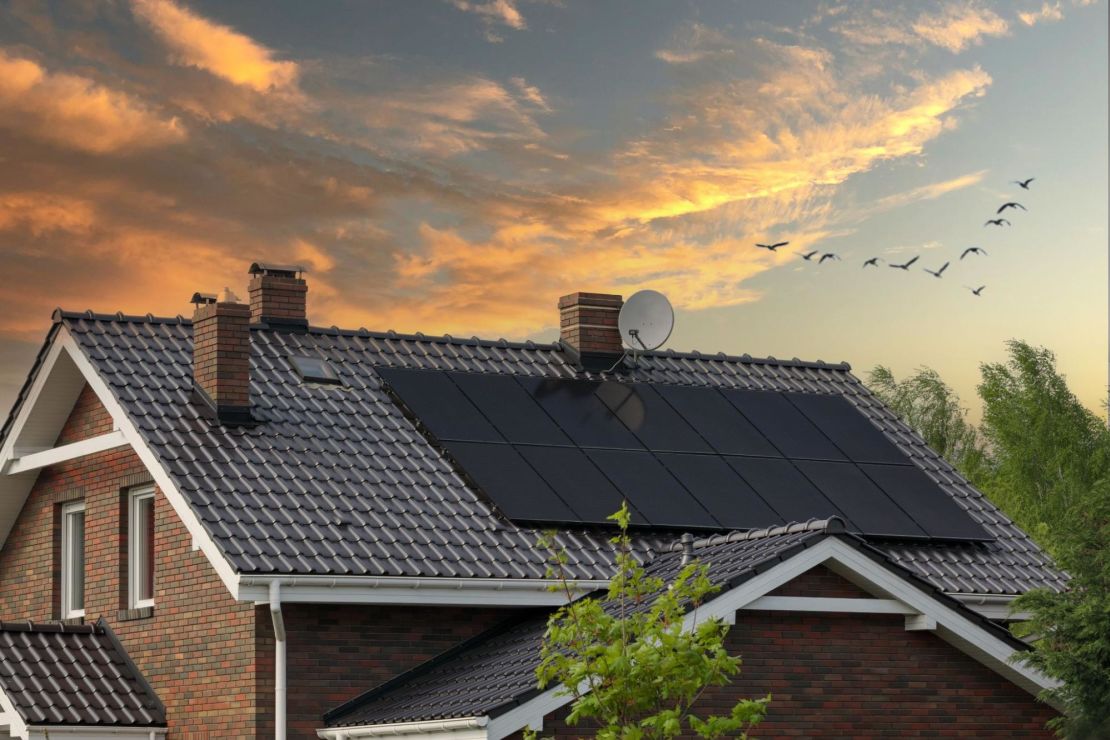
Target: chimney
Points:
x,y
222,356
278,296
588,326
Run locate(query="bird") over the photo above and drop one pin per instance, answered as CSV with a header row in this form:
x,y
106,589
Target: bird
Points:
x,y
997,222
772,247
827,256
1024,184
976,291
1011,204
905,266
939,272
973,250
873,262
808,256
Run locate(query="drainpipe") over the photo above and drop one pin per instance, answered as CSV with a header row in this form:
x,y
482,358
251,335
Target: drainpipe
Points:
x,y
279,660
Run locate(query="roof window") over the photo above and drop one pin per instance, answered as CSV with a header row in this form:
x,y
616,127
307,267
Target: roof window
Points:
x,y
315,370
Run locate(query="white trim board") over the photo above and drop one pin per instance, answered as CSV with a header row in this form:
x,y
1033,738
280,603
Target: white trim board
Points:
x,y
463,728
62,453
922,608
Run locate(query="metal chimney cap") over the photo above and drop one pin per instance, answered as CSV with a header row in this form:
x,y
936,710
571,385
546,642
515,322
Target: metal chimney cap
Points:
x,y
202,299
269,268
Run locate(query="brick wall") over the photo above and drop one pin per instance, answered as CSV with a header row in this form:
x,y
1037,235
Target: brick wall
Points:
x,y
336,652
859,676
197,649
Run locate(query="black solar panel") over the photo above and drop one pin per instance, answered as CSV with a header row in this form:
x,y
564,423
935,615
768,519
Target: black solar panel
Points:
x,y
549,450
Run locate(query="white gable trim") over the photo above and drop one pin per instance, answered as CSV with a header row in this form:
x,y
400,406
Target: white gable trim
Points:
x,y
61,453
464,728
922,609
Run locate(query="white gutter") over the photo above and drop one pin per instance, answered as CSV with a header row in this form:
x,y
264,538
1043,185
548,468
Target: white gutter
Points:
x,y
457,729
991,606
279,659
406,590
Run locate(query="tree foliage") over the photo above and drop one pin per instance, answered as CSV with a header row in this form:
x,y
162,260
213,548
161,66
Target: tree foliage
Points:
x,y
1044,458
633,665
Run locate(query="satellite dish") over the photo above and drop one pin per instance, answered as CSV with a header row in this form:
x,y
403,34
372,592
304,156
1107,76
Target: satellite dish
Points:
x,y
645,321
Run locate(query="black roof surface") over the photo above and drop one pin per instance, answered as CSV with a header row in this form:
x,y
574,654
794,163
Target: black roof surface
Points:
x,y
59,674
335,480
496,671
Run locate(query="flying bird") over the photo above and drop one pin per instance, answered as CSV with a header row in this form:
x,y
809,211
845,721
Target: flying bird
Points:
x,y
976,291
827,256
939,272
997,222
1011,204
973,250
905,266
772,247
808,256
1024,183
873,262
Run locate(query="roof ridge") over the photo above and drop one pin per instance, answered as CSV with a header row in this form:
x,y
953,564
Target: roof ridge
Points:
x,y
29,626
61,315
831,525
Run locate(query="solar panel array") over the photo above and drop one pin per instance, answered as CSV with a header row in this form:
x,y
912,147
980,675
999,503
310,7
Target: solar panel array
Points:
x,y
567,451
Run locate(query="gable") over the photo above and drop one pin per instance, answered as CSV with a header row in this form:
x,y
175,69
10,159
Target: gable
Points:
x,y
819,581
89,418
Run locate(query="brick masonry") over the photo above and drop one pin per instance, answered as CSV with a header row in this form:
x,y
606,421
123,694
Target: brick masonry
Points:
x,y
588,322
281,298
859,676
222,352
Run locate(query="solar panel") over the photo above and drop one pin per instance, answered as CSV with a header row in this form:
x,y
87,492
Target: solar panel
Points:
x,y
510,481
722,492
439,405
510,409
578,482
575,407
555,450
655,493
717,421
783,425
862,501
848,429
785,489
654,422
914,491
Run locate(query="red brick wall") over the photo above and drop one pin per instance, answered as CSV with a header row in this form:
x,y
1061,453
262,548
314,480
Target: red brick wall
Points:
x,y
197,649
860,676
336,652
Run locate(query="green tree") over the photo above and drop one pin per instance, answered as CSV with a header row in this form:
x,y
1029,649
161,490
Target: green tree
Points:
x,y
930,407
630,661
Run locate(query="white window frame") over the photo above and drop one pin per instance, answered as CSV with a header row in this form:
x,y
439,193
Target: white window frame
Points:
x,y
68,510
134,498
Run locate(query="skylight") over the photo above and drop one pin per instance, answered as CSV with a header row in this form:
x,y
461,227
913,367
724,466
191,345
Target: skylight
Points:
x,y
315,370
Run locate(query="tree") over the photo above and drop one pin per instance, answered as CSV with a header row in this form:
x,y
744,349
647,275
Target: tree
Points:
x,y
630,661
929,406
1048,450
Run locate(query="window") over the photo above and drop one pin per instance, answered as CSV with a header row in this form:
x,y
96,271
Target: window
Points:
x,y
73,560
315,370
140,549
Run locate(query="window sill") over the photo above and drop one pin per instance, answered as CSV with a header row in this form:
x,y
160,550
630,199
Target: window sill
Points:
x,y
127,615
74,620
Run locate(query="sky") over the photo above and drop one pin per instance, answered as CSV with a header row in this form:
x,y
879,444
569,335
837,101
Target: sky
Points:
x,y
453,166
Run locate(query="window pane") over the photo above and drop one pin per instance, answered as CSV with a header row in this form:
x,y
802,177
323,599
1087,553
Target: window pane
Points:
x,y
144,548
75,561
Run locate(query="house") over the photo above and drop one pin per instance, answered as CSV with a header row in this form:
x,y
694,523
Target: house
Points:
x,y
240,525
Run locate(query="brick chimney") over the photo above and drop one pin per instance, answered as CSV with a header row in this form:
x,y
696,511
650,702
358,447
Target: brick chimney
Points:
x,y
588,326
278,296
222,356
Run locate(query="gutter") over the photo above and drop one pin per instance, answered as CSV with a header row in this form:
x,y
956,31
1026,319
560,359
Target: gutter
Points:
x,y
280,685
473,725
991,606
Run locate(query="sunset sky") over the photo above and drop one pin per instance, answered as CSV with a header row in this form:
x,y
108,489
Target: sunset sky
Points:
x,y
456,165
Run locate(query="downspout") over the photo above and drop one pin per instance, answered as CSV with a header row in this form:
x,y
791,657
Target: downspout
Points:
x,y
279,660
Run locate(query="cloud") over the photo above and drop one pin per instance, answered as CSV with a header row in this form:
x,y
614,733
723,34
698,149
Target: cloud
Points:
x,y
494,13
1047,13
530,93
931,191
957,27
696,42
220,50
42,213
76,112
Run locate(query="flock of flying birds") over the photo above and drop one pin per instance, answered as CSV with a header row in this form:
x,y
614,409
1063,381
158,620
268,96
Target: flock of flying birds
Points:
x,y
821,257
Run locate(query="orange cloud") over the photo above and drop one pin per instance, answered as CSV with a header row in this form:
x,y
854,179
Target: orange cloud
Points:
x,y
220,50
1047,13
76,112
44,213
494,12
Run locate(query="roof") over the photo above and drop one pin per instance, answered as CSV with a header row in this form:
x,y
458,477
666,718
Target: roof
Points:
x,y
334,480
57,674
496,671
